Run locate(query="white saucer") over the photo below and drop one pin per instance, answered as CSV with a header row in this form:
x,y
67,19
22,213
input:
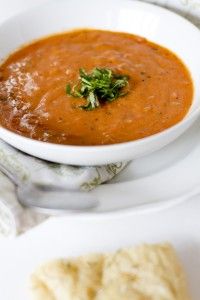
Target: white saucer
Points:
x,y
156,181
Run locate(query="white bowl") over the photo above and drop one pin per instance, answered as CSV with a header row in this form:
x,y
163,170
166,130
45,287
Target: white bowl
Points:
x,y
156,24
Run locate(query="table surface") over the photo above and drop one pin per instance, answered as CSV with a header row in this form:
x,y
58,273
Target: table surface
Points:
x,y
114,232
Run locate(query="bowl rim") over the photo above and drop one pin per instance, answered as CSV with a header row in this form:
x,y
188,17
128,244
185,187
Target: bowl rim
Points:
x,y
98,148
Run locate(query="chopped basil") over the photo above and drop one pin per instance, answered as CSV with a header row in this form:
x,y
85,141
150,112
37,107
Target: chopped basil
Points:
x,y
101,85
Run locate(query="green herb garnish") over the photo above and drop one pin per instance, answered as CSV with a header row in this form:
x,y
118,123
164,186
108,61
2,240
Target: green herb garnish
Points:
x,y
101,85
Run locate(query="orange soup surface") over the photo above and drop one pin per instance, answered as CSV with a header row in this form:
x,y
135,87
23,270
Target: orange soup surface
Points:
x,y
34,102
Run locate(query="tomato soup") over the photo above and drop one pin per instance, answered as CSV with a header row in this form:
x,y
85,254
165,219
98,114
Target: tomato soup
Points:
x,y
34,102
